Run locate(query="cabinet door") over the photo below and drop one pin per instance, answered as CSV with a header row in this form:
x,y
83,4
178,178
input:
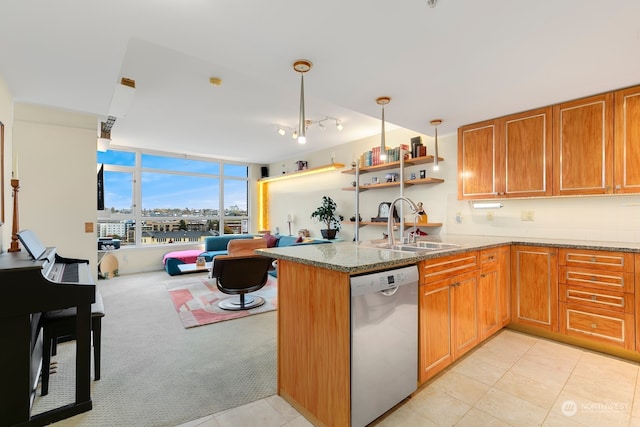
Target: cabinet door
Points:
x,y
493,291
488,303
527,168
627,140
464,303
435,328
478,160
583,146
534,287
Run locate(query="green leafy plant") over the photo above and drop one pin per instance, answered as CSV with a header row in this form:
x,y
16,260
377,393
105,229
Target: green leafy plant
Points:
x,y
326,213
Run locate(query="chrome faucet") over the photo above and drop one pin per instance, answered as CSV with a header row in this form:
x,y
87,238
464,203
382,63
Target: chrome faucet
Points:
x,y
414,209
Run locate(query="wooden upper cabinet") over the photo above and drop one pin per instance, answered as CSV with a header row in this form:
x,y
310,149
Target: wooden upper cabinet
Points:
x,y
583,146
527,169
627,140
507,157
477,160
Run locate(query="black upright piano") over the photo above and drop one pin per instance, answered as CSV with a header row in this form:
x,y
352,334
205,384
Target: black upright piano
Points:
x,y
29,287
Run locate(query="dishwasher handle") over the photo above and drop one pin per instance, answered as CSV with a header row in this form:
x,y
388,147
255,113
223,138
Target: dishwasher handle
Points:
x,y
389,292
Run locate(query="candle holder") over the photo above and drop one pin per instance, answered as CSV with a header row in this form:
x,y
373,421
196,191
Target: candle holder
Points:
x,y
15,244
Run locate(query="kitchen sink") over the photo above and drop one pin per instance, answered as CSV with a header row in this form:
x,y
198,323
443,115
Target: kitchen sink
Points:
x,y
420,246
436,245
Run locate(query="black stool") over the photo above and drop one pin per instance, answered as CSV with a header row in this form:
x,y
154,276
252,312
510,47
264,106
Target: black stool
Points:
x,y
61,325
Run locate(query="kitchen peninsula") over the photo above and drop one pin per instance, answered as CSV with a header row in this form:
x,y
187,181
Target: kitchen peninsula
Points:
x,y
314,342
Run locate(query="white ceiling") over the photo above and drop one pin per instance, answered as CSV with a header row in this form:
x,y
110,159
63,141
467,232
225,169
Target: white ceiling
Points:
x,y
462,61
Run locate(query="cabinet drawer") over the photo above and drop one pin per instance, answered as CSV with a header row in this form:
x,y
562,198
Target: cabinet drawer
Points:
x,y
443,267
607,300
598,279
600,260
489,258
598,325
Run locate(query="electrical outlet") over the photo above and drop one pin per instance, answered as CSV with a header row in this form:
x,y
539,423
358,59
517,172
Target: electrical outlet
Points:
x,y
526,216
489,216
459,217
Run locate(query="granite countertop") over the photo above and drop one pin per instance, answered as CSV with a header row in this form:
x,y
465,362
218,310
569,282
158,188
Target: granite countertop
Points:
x,y
360,257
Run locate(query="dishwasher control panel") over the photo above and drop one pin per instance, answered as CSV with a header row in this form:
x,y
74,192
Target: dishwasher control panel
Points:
x,y
383,280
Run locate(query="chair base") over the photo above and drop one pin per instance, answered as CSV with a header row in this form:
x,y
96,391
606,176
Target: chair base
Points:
x,y
235,304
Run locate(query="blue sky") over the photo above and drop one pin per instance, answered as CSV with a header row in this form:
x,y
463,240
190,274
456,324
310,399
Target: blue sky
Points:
x,y
169,190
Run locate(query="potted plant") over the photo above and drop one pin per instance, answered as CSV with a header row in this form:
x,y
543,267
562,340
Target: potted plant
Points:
x,y
326,213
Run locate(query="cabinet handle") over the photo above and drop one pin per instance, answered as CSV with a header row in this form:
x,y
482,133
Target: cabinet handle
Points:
x,y
594,326
593,259
593,297
593,278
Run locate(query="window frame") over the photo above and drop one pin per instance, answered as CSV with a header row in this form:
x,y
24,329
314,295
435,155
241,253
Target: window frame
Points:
x,y
137,170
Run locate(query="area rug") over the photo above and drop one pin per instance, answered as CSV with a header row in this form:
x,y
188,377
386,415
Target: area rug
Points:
x,y
196,301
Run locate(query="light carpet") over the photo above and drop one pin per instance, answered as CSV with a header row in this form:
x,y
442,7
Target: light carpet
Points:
x,y
157,373
196,298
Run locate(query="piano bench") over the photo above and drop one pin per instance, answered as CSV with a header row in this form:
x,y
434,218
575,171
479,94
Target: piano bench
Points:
x,y
60,325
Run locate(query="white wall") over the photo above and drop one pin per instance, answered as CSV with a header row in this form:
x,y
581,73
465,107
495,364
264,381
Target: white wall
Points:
x,y
57,157
608,218
6,117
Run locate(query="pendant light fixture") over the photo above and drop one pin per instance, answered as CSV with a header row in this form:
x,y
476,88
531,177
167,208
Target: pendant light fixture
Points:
x,y
435,123
302,66
383,100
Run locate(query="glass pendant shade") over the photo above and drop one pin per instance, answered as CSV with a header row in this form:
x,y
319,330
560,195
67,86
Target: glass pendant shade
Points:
x,y
383,100
302,66
435,123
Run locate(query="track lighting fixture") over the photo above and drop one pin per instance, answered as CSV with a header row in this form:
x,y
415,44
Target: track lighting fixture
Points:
x,y
283,130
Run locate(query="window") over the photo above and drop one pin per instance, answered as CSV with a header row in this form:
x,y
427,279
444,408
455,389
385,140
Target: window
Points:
x,y
151,198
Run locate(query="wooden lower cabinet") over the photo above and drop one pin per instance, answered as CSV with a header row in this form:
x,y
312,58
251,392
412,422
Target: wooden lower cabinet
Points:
x,y
534,287
464,312
314,371
464,299
448,310
493,291
597,296
448,322
435,344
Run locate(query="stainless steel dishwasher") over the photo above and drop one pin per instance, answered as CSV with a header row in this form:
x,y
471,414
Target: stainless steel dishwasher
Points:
x,y
384,341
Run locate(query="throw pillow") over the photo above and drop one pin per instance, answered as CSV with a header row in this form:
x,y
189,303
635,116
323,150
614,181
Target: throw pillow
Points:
x,y
271,240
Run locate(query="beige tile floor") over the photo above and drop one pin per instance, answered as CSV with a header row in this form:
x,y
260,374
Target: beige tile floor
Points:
x,y
512,379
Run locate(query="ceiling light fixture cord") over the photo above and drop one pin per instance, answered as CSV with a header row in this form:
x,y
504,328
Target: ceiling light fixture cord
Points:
x,y
302,132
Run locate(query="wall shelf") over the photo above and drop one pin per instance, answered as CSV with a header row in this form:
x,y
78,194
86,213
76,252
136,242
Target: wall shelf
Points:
x,y
406,224
393,165
408,183
297,174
